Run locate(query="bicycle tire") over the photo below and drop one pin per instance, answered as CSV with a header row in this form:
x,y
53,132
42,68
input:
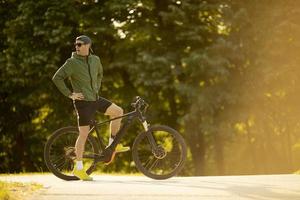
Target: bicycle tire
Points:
x,y
57,134
139,143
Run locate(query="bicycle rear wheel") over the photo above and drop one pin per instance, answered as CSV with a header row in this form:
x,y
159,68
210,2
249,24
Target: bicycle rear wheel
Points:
x,y
59,153
164,160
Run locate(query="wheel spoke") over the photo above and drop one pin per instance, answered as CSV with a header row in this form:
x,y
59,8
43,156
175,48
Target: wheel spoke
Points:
x,y
148,162
153,164
60,164
59,159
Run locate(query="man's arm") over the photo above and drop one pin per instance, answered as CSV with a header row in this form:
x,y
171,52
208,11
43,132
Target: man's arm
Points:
x,y
100,74
61,74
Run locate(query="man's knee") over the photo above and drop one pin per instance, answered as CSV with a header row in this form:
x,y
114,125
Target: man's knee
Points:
x,y
114,111
120,111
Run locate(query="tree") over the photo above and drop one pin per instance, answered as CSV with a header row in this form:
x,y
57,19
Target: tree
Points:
x,y
267,86
33,48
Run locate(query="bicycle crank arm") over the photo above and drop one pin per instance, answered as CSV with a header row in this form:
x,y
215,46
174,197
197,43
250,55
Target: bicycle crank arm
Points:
x,y
100,158
105,156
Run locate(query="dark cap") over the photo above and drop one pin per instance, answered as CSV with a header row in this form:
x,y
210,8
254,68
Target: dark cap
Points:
x,y
85,39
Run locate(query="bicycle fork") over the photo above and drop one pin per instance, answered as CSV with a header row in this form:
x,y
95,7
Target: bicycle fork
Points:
x,y
158,151
149,135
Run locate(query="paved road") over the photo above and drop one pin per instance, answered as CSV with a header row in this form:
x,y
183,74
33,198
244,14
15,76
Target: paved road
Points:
x,y
267,187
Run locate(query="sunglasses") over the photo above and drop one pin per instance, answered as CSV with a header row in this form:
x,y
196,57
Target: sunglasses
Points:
x,y
78,44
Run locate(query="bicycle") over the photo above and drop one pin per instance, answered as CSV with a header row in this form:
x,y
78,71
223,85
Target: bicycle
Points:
x,y
159,152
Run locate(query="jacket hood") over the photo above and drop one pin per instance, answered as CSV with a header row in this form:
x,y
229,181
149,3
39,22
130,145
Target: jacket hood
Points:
x,y
75,55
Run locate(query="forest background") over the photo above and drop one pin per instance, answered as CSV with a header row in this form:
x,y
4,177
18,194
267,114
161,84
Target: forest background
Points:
x,y
224,73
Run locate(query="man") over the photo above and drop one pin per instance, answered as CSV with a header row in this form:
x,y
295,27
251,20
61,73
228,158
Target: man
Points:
x,y
85,73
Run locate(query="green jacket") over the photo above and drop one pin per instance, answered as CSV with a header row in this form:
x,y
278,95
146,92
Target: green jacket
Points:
x,y
85,74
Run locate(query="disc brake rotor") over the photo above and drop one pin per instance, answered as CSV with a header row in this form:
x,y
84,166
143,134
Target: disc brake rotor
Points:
x,y
159,152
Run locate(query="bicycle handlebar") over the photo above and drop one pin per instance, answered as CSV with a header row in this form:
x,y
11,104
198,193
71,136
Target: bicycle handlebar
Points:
x,y
139,103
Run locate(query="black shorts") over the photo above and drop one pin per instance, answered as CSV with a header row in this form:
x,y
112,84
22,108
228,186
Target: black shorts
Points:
x,y
86,110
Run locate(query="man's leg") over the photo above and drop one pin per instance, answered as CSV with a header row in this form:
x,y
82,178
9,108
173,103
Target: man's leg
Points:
x,y
79,148
80,142
115,111
84,111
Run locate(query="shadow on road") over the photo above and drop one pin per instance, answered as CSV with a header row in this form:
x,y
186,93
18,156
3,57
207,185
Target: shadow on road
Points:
x,y
242,189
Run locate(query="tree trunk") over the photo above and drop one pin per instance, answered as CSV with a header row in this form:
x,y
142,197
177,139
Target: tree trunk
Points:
x,y
197,146
219,154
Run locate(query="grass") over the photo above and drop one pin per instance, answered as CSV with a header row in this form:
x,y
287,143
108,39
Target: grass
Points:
x,y
17,191
23,173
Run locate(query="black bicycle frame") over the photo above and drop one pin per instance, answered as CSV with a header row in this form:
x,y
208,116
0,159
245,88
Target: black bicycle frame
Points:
x,y
107,152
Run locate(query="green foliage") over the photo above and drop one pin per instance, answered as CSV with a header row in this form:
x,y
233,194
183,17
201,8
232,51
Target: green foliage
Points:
x,y
268,87
223,73
15,190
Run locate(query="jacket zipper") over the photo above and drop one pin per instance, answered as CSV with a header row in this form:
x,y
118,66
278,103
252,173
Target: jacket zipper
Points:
x,y
89,67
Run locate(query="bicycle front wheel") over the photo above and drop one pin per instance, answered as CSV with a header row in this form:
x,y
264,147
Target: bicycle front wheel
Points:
x,y
159,153
59,153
